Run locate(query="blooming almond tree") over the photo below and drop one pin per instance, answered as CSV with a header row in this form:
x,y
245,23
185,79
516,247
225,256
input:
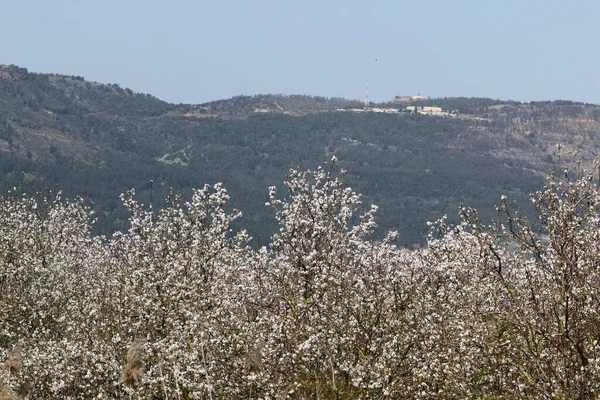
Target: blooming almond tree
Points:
x,y
513,309
178,283
557,286
46,253
179,307
335,311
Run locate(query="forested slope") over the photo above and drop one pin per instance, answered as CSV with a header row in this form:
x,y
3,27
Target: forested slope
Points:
x,y
98,141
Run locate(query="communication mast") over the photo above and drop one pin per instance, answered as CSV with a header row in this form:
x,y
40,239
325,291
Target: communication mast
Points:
x,y
367,97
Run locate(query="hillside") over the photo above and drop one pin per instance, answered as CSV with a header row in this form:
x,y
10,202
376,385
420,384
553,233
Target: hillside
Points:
x,y
98,141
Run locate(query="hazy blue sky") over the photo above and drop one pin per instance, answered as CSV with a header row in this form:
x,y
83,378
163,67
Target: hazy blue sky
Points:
x,y
196,51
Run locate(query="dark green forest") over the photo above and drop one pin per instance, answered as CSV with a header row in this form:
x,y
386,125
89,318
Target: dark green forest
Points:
x,y
97,141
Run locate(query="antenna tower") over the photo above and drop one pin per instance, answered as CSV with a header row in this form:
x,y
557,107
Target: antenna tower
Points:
x,y
367,96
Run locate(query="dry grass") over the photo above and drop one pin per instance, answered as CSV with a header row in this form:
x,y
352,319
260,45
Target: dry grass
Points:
x,y
6,393
133,368
14,362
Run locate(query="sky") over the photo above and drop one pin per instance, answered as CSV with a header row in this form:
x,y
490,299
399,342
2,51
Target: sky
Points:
x,y
186,51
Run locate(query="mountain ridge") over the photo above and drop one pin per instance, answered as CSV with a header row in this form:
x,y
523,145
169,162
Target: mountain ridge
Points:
x,y
99,140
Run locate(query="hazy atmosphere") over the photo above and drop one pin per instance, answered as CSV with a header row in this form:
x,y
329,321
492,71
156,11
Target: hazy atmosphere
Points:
x,y
200,202
198,51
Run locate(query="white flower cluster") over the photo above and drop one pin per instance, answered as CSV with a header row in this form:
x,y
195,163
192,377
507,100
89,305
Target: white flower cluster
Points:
x,y
180,307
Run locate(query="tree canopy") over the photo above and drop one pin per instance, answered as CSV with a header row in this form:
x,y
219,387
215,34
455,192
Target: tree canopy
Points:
x,y
179,306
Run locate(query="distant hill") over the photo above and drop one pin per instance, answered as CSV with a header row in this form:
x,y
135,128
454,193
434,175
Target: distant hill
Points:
x,y
98,140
